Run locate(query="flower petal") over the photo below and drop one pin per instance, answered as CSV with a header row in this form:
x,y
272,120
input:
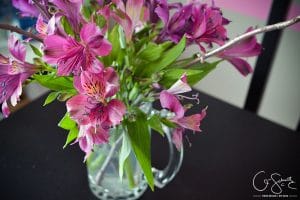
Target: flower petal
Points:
x,y
170,102
241,65
26,7
5,109
116,110
54,48
177,137
192,122
16,48
180,86
79,108
112,82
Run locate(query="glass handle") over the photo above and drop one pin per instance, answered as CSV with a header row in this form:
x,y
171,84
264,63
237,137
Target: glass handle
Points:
x,y
163,177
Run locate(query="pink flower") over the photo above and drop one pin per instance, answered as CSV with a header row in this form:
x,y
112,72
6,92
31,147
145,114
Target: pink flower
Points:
x,y
128,15
168,100
199,22
13,72
70,9
44,28
245,48
71,55
92,110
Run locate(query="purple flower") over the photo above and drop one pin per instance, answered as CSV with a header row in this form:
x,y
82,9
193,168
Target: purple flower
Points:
x,y
71,55
158,9
26,7
13,72
246,48
169,100
199,22
91,109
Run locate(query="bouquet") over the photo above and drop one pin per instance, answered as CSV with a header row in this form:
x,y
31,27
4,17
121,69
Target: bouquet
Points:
x,y
106,59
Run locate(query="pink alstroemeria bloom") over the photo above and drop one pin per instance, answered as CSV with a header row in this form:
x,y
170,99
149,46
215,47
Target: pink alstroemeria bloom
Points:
x,y
44,28
13,72
169,101
246,48
91,109
199,22
71,55
70,9
26,7
129,15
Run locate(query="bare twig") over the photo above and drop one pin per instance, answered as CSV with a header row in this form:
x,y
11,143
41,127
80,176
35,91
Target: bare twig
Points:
x,y
20,31
236,40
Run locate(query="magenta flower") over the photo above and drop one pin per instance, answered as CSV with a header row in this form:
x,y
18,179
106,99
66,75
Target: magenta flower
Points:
x,y
26,7
169,100
45,28
70,9
92,110
199,22
128,15
13,72
71,55
246,48
191,122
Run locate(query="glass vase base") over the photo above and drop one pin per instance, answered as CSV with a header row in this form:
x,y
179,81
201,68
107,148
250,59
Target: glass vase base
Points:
x,y
117,192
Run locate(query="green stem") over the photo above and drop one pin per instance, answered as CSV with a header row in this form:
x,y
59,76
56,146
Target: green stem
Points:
x,y
129,173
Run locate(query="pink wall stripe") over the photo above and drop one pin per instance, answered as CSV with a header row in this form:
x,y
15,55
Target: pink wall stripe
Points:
x,y
258,9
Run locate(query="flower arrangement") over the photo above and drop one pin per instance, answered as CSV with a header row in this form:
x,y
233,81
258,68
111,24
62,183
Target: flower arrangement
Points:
x,y
106,59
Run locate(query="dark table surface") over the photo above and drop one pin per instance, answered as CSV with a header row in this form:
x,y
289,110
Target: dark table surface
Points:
x,y
220,164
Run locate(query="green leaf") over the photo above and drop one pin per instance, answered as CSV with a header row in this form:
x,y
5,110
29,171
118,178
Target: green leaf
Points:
x,y
100,20
122,38
139,135
167,58
66,122
151,52
67,26
86,11
155,124
194,73
56,83
36,51
117,52
73,133
124,153
51,97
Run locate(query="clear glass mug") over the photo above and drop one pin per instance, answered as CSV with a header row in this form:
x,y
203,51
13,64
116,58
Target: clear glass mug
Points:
x,y
103,171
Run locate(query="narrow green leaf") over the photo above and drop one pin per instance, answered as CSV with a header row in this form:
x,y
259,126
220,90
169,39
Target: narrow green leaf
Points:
x,y
73,133
124,153
66,122
139,135
67,26
51,97
151,52
155,124
36,51
167,58
56,83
